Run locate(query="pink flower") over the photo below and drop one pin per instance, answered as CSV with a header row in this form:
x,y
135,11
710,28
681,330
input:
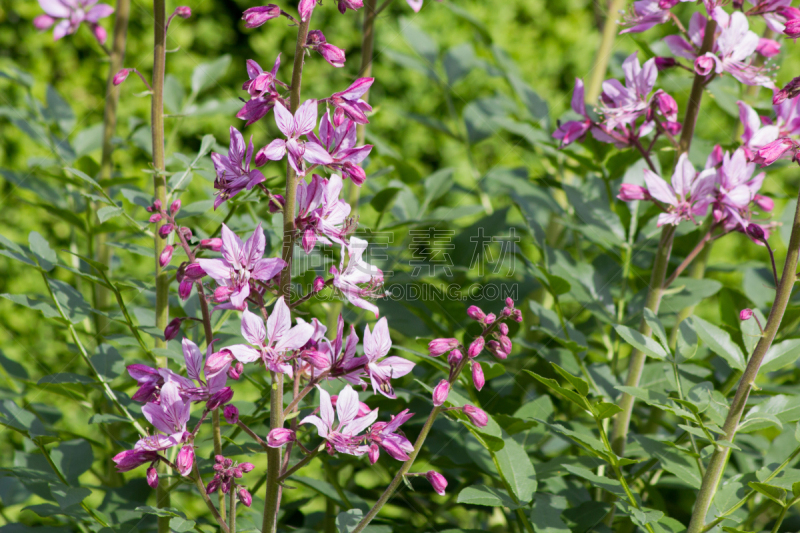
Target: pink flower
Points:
x,y
130,459
120,76
256,16
332,54
359,280
152,477
280,436
273,342
233,171
240,263
477,375
169,416
185,460
306,8
384,435
574,130
622,104
344,5
377,344
263,94
321,213
244,496
293,127
437,481
72,13
344,437
340,143
736,187
349,101
476,415
628,192
441,392
438,347
775,150
231,414
688,196
745,314
755,133
768,47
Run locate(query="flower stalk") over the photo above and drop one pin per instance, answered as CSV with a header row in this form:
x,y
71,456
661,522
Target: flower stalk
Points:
x,y
604,52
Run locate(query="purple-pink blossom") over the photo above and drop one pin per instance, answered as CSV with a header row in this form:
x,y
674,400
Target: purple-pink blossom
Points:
x,y
346,435
359,280
377,344
349,102
233,171
340,142
293,127
70,14
321,214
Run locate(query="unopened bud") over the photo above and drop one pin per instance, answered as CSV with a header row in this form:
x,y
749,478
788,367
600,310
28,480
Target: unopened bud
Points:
x,y
441,392
215,245
185,289
222,397
280,436
256,16
175,207
120,76
476,347
276,203
319,284
155,217
663,63
165,230
455,357
231,414
244,496
173,328
476,415
438,347
185,460
166,256
152,477
183,12
745,314
437,481
235,371
477,375
475,312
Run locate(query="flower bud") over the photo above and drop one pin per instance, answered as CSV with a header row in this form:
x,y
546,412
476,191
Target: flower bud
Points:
x,y
628,192
165,230
496,349
156,207
100,33
705,64
745,314
193,271
438,347
667,106
667,4
173,328
166,255
185,460
281,202
764,202
231,414
455,357
42,22
305,8
244,496
673,128
506,312
256,16
756,232
477,375
235,371
333,55
186,232
315,38
517,315
354,172
280,436
175,207
441,392
476,347
789,91
489,319
152,477
215,244
771,152
476,415
791,29
183,12
503,328
475,312
373,453
247,467
223,396
437,481
213,485
185,289
155,217
318,285
663,63
120,76
768,47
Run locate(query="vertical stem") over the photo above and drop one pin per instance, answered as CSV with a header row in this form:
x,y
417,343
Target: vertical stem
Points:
x,y
604,52
217,434
697,271
622,421
159,191
699,83
367,47
716,465
102,296
273,496
232,518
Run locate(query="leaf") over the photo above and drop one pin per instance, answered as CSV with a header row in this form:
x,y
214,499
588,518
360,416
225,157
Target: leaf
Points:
x,y
611,485
606,410
572,396
59,111
67,496
83,177
108,212
73,458
161,511
421,42
71,301
579,383
719,342
34,302
644,344
458,61
780,355
776,494
15,417
487,496
45,255
546,514
657,327
347,521
207,74
195,209
437,185
516,468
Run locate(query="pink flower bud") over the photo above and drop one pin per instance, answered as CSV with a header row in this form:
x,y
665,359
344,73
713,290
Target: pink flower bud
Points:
x,y
496,349
231,414
705,64
667,106
185,289
309,240
506,312
517,315
475,312
671,127
791,29
213,485
477,375
120,76
244,496
185,460
183,12
317,359
476,347
222,397
476,415
441,392
215,245
155,217
663,63
305,8
256,16
768,47
173,328
771,152
505,343
175,207
247,467
280,436
789,91
503,328
510,303
42,22
756,232
193,272
315,38
489,319
152,477
165,230
166,256
100,33
373,453
355,173
455,357
438,347
745,314
319,284
155,207
437,481
186,232
332,54
281,202
628,192
667,4
235,371
764,202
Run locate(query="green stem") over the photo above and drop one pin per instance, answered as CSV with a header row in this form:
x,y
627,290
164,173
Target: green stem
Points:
x,y
198,481
697,271
273,496
232,518
699,83
716,465
604,52
622,421
102,298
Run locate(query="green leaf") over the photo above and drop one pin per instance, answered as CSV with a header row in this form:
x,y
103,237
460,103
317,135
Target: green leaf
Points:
x,y
84,177
458,62
15,417
606,410
59,111
546,514
572,396
719,342
180,524
195,209
207,74
776,494
45,255
108,212
34,302
161,511
487,496
516,468
611,485
644,344
579,383
73,458
657,327
71,301
67,496
437,185
422,43
347,521
780,355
